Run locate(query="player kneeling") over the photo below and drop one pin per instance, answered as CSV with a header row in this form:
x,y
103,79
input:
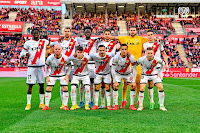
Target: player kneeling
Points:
x,y
103,74
121,69
81,74
149,72
57,62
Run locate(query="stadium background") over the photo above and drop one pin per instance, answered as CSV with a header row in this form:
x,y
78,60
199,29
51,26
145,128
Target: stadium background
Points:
x,y
179,33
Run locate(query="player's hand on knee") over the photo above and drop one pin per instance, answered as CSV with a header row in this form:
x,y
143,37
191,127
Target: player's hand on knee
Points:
x,y
66,79
48,80
158,76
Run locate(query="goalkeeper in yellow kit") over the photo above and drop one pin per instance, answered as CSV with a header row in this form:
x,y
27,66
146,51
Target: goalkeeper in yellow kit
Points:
x,y
135,45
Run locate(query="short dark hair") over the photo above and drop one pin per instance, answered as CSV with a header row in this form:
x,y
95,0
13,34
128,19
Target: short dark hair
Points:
x,y
34,30
133,27
101,46
79,48
150,31
149,48
107,30
68,28
88,28
124,45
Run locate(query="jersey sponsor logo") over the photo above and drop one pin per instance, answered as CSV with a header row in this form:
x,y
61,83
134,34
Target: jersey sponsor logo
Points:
x,y
57,71
150,70
125,66
70,48
39,51
89,46
81,66
103,64
132,43
155,47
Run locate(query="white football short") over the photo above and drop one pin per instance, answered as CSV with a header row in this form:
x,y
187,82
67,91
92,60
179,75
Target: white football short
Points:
x,y
118,78
35,74
102,78
144,79
84,79
53,80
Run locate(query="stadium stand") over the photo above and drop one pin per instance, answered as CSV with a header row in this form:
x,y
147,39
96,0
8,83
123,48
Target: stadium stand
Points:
x,y
48,21
192,52
191,26
173,55
4,14
96,21
158,25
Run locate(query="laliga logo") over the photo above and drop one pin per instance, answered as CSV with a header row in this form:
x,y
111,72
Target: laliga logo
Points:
x,y
184,10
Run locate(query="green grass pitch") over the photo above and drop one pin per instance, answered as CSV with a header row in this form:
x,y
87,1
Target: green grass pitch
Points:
x,y
181,99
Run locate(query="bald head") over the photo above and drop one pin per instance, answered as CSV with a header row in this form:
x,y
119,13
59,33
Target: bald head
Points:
x,y
57,49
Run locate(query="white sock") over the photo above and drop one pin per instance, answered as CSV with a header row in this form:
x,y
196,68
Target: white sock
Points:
x,y
91,91
61,94
115,97
150,90
28,98
108,96
47,98
141,98
96,97
87,95
161,96
76,96
65,97
132,96
81,93
103,96
73,94
41,98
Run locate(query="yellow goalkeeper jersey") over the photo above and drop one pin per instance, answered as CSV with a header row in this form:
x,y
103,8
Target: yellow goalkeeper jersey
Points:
x,y
135,44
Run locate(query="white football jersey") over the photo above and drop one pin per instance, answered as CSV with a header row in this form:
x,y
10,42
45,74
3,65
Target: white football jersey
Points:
x,y
37,50
58,66
68,46
110,46
80,65
102,63
157,47
89,46
123,64
149,67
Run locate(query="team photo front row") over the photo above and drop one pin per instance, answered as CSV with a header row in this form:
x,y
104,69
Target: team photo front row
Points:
x,y
106,68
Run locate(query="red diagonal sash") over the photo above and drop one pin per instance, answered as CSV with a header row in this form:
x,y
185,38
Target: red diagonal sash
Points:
x,y
84,62
155,47
90,43
127,64
102,67
38,52
111,46
72,44
154,63
62,63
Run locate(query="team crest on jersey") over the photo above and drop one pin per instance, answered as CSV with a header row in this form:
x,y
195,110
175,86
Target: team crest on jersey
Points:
x,y
153,64
136,40
62,62
127,61
71,43
154,46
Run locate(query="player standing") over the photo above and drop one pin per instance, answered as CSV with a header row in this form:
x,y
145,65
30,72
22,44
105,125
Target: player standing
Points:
x,y
58,62
135,44
68,48
150,72
111,47
158,51
89,46
121,69
103,74
35,49
80,74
